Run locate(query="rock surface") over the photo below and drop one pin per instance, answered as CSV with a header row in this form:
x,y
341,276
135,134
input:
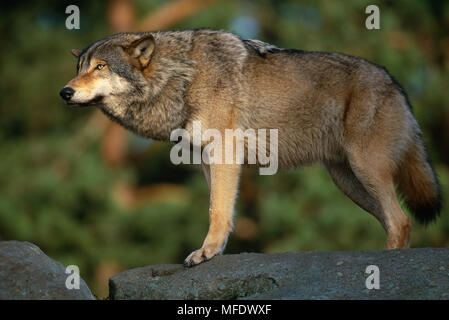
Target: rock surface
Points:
x,y
404,274
27,273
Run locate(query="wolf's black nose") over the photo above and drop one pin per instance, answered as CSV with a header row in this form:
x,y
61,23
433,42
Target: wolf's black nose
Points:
x,y
67,93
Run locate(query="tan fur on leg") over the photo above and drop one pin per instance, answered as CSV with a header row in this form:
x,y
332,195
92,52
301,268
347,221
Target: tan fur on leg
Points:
x,y
375,173
223,191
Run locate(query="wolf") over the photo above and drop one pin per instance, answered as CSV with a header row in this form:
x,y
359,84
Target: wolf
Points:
x,y
343,111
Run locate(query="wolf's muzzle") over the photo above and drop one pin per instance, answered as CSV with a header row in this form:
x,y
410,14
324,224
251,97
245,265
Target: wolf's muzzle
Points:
x,y
66,93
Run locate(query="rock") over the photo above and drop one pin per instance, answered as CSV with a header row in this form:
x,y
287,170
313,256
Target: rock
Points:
x,y
403,274
27,273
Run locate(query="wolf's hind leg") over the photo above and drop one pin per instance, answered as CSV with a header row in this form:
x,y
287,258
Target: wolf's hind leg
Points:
x,y
345,179
375,171
223,182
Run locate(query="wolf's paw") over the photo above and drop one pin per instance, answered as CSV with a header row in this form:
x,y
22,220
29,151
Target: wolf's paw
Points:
x,y
200,255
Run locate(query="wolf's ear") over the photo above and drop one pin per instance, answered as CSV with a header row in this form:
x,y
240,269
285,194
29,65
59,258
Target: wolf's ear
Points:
x,y
142,49
76,52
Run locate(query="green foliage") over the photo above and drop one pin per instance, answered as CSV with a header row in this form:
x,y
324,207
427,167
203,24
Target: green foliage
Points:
x,y
57,192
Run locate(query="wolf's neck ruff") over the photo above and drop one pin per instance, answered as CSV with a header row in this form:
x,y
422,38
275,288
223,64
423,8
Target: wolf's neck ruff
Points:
x,y
155,104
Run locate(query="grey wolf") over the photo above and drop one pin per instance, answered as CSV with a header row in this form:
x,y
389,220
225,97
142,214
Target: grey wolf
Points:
x,y
344,111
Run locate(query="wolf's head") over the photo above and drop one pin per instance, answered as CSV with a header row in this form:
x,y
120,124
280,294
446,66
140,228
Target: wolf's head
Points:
x,y
109,68
137,79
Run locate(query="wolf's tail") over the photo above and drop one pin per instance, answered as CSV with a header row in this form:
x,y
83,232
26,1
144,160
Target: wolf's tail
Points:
x,y
419,185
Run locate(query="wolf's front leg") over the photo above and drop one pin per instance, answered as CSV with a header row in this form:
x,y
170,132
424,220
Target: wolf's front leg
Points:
x,y
223,183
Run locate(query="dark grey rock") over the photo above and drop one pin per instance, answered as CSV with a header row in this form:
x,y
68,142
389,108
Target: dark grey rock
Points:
x,y
404,274
27,273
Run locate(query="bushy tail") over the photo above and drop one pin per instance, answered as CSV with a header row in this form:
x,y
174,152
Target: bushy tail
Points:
x,y
419,185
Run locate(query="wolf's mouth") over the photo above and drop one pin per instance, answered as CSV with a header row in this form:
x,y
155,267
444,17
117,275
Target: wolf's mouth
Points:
x,y
94,102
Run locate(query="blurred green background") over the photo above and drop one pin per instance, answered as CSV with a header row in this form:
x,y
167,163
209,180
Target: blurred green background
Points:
x,y
90,194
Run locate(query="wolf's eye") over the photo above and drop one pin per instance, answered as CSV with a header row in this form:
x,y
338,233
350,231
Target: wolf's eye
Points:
x,y
99,66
